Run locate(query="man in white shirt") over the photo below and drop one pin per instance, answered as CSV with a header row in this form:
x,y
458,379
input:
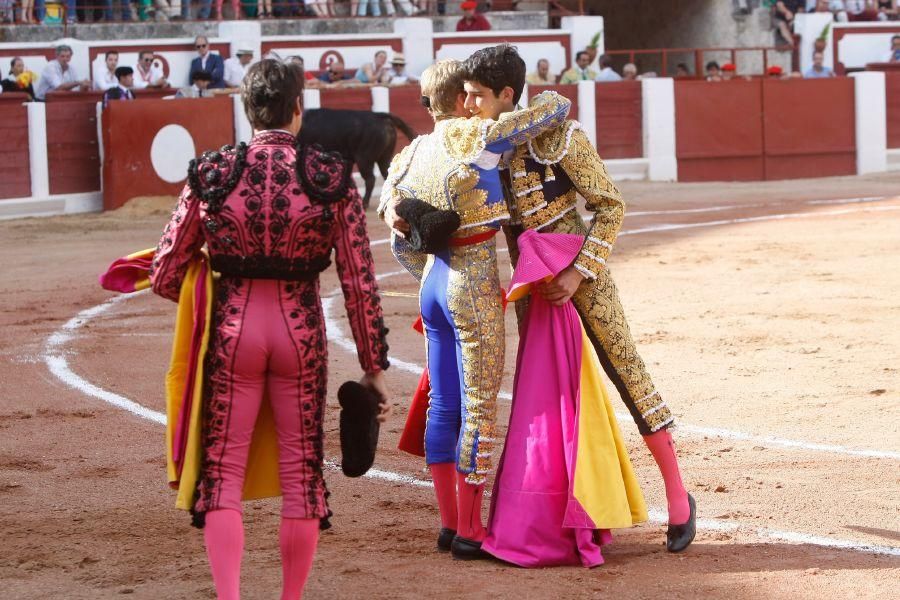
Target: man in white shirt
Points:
x,y
606,71
894,55
59,76
237,66
147,73
107,79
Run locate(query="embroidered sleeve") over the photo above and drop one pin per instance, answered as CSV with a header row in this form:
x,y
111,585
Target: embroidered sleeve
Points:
x,y
466,139
180,242
357,273
588,173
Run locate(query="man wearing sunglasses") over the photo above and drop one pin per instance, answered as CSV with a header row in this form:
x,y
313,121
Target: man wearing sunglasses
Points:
x,y
209,62
147,73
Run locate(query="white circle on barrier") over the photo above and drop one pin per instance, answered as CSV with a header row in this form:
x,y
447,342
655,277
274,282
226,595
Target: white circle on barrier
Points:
x,y
170,152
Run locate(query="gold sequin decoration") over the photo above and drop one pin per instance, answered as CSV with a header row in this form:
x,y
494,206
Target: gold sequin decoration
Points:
x,y
474,300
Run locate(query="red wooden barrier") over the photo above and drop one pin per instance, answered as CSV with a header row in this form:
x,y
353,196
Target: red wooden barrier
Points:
x,y
809,127
73,152
619,119
718,131
129,129
762,129
15,167
569,90
353,98
892,85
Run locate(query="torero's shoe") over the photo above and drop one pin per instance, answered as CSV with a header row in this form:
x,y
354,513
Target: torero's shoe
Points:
x,y
466,549
445,539
679,537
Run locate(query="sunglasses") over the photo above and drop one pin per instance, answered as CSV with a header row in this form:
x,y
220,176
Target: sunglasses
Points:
x,y
198,46
147,60
425,101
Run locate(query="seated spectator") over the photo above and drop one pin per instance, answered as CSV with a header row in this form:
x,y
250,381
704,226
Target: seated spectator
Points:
x,y
713,72
236,67
887,10
542,76
373,72
894,54
818,70
682,71
581,71
397,74
334,73
148,73
729,70
200,86
629,72
107,79
774,72
19,79
60,76
607,73
784,18
861,10
122,90
472,20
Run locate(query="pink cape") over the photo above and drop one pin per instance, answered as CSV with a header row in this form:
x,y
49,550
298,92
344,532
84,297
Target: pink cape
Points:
x,y
537,517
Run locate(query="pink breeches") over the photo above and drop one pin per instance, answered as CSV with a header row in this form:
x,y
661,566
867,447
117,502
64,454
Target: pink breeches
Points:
x,y
256,350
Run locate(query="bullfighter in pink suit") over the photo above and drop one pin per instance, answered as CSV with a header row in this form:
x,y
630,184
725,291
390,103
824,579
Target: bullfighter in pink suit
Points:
x,y
270,215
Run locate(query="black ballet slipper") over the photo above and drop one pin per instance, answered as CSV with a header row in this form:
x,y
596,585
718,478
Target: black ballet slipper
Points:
x,y
679,537
465,549
359,428
430,228
445,539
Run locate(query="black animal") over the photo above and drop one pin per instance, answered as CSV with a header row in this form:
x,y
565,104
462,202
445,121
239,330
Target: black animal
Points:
x,y
367,138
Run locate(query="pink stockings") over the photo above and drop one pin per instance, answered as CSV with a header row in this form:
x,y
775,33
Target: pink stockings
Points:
x,y
663,449
460,509
224,536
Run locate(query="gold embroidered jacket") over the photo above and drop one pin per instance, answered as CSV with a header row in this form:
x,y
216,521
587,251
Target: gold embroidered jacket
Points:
x,y
546,175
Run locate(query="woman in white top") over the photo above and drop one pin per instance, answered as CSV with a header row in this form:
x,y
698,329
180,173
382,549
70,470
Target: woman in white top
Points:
x,y
372,72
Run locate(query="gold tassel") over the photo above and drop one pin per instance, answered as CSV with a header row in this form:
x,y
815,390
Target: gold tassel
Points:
x,y
548,174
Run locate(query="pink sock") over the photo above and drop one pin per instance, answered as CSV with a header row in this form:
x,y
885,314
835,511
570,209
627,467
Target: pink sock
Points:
x,y
444,477
298,539
663,449
469,522
224,536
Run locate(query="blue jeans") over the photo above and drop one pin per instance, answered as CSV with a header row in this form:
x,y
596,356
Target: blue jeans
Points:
x,y
205,9
376,7
124,5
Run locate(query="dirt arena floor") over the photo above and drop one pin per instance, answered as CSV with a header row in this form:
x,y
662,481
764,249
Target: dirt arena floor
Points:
x,y
767,312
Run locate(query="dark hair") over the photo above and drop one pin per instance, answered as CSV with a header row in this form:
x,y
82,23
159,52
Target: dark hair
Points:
x,y
123,72
606,61
712,65
111,52
201,75
143,52
497,67
895,37
12,63
270,91
683,67
579,53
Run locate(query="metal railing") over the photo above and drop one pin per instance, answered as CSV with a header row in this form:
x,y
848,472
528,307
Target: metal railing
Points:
x,y
664,61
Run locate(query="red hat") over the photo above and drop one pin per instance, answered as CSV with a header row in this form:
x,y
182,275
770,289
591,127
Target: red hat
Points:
x,y
469,5
774,70
729,67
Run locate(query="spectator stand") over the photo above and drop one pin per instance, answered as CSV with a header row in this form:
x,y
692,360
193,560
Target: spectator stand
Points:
x,y
849,46
662,61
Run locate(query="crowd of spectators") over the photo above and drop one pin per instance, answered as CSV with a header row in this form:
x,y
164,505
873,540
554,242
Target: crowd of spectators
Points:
x,y
97,11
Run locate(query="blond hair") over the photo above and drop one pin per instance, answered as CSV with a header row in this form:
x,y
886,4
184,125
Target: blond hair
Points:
x,y
442,82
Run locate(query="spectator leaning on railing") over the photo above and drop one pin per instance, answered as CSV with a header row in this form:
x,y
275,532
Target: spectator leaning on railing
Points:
x,y
542,76
581,71
818,70
373,72
122,89
19,79
199,88
107,79
397,74
607,73
237,66
894,54
629,72
713,72
147,74
59,75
